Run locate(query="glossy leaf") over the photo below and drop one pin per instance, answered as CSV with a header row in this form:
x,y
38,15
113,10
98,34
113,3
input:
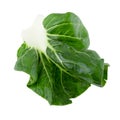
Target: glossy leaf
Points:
x,y
68,29
48,80
64,67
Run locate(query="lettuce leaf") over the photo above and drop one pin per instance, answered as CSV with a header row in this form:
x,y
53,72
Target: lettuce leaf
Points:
x,y
56,56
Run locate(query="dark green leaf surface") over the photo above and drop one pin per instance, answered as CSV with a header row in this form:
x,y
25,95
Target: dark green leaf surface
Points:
x,y
68,67
47,80
67,28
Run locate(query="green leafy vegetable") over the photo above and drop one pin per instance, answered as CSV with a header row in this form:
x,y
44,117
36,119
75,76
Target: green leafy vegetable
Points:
x,y
56,56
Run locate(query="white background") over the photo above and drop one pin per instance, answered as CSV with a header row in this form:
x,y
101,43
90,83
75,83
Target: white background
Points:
x,y
102,20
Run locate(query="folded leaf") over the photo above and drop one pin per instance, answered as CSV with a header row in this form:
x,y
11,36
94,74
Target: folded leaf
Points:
x,y
48,80
56,56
